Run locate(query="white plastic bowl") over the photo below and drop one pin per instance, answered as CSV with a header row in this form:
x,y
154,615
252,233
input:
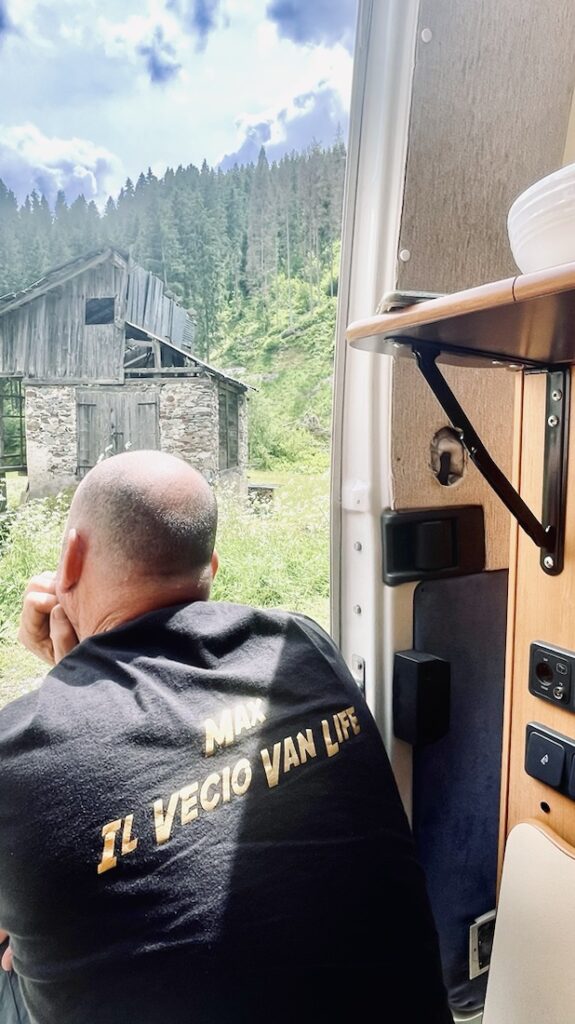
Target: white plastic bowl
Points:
x,y
541,222
564,177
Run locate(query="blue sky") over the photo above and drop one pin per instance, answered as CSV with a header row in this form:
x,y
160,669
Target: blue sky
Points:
x,y
95,91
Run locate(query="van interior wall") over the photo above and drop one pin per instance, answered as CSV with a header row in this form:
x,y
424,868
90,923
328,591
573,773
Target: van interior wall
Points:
x,y
492,92
456,780
488,398
491,101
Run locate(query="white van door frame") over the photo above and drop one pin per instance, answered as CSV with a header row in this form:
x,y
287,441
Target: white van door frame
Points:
x,y
361,475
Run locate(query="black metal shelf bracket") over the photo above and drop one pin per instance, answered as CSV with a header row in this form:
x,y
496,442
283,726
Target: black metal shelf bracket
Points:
x,y
549,534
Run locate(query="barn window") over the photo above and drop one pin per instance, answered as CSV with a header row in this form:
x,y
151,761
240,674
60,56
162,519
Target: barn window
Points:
x,y
12,430
100,311
228,426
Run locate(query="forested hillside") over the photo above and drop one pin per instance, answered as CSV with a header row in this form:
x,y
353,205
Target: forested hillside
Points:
x,y
253,253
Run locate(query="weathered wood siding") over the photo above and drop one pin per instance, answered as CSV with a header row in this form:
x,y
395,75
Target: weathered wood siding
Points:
x,y
148,307
47,339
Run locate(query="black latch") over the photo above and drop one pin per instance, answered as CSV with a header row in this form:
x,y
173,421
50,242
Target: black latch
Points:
x,y
420,544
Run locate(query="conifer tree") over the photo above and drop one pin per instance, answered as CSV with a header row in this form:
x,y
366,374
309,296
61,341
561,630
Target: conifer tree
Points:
x,y
261,242
216,239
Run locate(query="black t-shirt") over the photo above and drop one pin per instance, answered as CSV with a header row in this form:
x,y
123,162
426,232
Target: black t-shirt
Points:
x,y
199,825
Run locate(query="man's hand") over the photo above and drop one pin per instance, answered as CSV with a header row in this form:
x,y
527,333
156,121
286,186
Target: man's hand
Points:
x,y
6,963
45,630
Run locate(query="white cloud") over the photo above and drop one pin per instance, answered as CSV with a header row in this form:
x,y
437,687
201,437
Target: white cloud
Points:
x,y
122,38
129,78
311,104
31,160
315,116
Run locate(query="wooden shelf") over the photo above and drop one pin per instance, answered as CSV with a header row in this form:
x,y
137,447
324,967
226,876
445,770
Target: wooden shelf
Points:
x,y
527,320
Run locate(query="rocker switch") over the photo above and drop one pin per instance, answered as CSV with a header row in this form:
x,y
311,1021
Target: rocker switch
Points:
x,y
545,759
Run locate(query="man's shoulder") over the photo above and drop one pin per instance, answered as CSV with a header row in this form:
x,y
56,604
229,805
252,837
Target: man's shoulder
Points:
x,y
253,621
226,615
255,631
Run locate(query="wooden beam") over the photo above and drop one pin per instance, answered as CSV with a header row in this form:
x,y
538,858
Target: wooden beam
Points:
x,y
163,371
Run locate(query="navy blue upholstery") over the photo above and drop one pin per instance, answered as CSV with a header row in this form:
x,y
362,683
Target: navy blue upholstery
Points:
x,y
456,781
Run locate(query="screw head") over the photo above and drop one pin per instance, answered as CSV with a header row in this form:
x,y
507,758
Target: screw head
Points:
x,y
553,421
405,255
548,561
357,546
557,395
357,609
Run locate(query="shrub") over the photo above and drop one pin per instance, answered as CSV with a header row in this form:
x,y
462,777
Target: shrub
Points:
x,y
30,544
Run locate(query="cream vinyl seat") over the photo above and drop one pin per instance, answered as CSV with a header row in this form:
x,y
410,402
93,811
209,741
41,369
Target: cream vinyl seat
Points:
x,y
532,973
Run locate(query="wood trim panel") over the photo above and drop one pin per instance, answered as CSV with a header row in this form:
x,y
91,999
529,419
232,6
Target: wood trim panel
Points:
x,y
542,608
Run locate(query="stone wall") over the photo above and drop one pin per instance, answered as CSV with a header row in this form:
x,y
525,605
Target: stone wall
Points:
x,y
51,447
189,422
188,426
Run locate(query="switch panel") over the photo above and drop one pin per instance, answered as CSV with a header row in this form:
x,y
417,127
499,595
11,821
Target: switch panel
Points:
x,y
551,673
550,758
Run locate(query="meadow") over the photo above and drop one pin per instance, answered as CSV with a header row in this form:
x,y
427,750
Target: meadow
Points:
x,y
274,556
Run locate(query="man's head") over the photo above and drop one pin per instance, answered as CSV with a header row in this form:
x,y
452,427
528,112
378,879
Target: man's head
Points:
x,y
140,535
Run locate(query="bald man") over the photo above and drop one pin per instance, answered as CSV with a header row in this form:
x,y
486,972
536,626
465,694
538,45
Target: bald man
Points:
x,y
198,820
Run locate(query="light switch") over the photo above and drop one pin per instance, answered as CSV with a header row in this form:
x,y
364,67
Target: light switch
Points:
x,y
545,759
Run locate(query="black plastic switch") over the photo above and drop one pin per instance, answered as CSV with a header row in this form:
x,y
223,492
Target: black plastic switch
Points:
x,y
571,782
421,697
545,759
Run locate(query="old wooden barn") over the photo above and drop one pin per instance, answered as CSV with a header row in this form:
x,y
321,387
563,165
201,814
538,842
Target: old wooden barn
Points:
x,y
96,358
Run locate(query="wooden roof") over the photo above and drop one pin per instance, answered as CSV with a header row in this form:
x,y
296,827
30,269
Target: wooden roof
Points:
x,y
59,276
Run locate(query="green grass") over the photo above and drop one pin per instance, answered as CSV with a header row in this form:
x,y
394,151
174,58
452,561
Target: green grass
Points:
x,y
278,558
274,558
15,487
29,543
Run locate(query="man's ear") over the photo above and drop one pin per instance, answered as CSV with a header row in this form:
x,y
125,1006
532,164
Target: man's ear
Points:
x,y
215,563
72,561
